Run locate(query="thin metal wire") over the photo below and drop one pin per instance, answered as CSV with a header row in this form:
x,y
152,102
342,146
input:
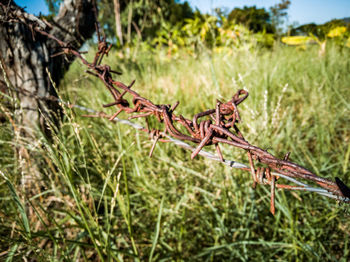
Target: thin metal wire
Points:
x,y
204,133
206,154
211,156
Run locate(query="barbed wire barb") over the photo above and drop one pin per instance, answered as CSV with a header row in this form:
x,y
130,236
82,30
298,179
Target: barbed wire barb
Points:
x,y
215,126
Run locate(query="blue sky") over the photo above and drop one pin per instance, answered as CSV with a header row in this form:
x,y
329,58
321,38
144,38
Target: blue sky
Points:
x,y
301,11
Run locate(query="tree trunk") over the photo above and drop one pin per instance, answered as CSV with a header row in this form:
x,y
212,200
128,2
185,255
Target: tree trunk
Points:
x,y
118,25
130,20
26,56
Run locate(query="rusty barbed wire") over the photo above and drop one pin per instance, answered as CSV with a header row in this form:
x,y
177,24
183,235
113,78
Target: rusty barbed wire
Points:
x,y
215,126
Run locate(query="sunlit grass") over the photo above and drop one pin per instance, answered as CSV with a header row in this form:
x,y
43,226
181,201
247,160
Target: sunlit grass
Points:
x,y
103,199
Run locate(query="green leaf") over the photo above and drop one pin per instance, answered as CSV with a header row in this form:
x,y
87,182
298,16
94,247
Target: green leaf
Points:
x,y
348,43
335,32
20,207
156,234
11,253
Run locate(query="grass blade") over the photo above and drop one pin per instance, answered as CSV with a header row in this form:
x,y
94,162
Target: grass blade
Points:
x,y
15,197
156,233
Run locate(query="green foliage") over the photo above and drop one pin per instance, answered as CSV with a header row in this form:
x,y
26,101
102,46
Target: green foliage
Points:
x,y
256,19
320,31
204,33
103,199
53,5
202,29
337,32
279,13
339,36
174,25
147,15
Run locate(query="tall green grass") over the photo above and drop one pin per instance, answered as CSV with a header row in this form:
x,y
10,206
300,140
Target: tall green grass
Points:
x,y
103,199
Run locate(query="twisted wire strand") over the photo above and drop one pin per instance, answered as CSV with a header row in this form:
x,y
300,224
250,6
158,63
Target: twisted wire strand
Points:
x,y
230,163
216,131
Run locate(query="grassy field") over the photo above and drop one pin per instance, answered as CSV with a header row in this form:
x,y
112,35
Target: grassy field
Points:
x,y
104,199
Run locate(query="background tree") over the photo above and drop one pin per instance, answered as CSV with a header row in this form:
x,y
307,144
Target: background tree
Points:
x,y
256,19
143,16
53,5
279,14
322,30
118,25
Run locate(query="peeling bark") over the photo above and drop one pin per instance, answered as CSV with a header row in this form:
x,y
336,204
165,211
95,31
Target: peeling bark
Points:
x,y
26,56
